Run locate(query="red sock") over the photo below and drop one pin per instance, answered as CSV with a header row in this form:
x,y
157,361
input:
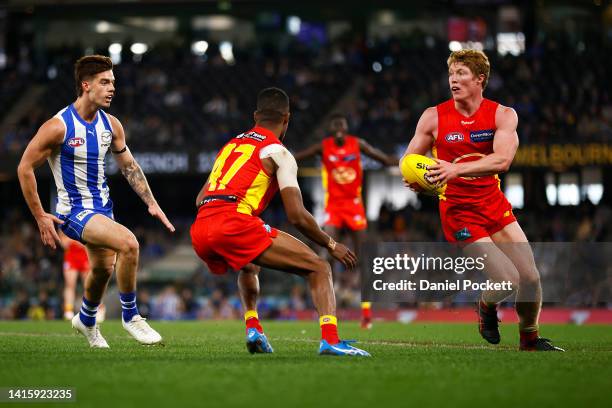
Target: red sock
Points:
x,y
252,321
329,329
366,311
528,337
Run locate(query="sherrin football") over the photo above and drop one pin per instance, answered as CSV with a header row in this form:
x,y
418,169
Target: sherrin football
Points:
x,y
413,168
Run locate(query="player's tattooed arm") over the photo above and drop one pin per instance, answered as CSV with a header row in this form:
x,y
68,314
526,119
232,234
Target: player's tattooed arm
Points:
x,y
48,138
133,173
378,154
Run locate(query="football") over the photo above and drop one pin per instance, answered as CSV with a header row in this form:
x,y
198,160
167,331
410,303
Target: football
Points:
x,y
414,168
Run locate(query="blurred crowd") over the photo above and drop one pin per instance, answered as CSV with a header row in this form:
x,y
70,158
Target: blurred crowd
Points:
x,y
31,278
172,99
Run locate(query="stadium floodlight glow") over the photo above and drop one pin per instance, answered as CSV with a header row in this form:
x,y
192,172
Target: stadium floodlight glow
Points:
x,y
115,48
227,52
294,24
376,67
114,51
103,27
139,48
510,43
199,47
454,46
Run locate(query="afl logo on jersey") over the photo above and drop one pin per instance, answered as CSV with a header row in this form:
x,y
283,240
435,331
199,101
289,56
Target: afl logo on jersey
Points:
x,y
454,137
106,137
76,142
344,175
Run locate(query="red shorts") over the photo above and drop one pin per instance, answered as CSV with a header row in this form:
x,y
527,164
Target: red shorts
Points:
x,y
76,258
229,239
468,222
349,214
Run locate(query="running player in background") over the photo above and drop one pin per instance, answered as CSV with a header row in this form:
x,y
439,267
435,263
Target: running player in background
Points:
x,y
75,142
76,263
228,233
342,177
473,139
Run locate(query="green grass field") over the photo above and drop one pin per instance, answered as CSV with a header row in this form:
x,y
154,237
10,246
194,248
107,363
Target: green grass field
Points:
x,y
206,364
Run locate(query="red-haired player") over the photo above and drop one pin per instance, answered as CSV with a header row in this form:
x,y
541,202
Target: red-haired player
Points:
x,y
473,139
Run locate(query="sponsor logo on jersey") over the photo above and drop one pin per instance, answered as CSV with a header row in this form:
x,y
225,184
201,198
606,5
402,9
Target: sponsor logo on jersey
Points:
x,y
468,122
480,136
462,234
76,142
106,137
454,137
344,175
83,214
252,135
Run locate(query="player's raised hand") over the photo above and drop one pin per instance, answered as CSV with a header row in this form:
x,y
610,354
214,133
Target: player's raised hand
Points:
x,y
156,211
46,226
343,254
441,172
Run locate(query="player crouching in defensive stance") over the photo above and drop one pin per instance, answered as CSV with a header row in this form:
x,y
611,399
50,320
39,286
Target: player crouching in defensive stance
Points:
x,y
75,142
474,139
228,232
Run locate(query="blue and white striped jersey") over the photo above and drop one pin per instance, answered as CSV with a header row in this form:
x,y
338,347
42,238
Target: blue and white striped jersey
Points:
x,y
78,165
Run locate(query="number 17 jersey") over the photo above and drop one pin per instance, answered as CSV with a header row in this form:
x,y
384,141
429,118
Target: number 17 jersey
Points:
x,y
238,181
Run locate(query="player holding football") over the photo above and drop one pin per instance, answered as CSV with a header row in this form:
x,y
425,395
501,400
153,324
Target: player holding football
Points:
x,y
75,142
342,181
473,139
228,232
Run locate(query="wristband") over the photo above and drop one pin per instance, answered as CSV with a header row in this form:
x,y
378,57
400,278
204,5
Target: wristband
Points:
x,y
331,244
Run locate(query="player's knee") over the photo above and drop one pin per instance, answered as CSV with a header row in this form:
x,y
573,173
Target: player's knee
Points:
x,y
103,272
251,268
321,266
530,278
130,246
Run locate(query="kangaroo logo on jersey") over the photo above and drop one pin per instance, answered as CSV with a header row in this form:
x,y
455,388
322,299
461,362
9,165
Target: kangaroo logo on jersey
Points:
x,y
106,137
454,137
479,136
76,142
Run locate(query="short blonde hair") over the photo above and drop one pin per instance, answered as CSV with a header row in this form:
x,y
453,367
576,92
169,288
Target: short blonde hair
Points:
x,y
475,60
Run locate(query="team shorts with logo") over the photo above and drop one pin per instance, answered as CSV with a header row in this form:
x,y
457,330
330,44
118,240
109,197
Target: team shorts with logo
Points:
x,y
468,222
349,214
230,240
74,223
76,259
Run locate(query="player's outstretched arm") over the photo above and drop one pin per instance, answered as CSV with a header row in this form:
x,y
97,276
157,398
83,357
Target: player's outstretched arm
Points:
x,y
279,160
378,154
48,138
308,152
133,173
505,143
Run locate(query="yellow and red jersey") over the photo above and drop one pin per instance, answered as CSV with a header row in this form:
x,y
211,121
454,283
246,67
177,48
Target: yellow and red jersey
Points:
x,y
341,172
464,139
238,181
